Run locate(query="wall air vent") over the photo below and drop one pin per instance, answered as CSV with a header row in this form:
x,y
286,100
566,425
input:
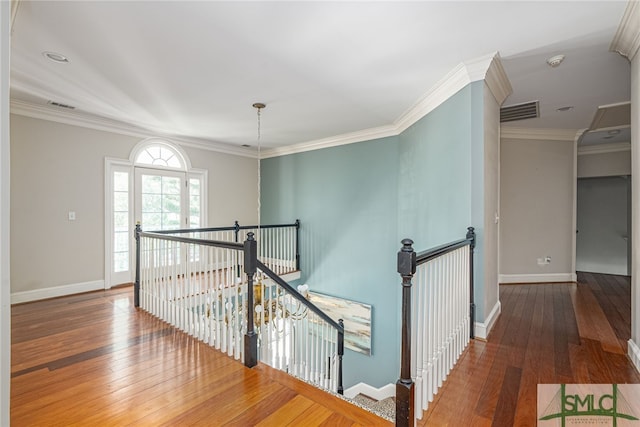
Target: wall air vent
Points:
x,y
526,110
57,104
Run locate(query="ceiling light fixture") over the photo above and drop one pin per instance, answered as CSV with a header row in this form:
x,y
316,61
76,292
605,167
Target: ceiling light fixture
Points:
x,y
567,108
554,61
56,57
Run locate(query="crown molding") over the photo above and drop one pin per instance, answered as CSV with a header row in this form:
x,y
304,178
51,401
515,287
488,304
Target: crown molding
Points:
x,y
604,148
90,121
627,39
497,80
449,85
486,67
539,134
344,139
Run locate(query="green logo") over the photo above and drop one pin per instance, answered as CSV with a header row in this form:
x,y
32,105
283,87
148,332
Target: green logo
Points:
x,y
565,405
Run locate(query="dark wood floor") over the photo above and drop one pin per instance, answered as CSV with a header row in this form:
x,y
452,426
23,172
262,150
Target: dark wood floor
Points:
x,y
546,334
92,359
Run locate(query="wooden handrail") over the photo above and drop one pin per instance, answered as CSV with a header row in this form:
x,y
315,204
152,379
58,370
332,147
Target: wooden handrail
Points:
x,y
297,295
230,228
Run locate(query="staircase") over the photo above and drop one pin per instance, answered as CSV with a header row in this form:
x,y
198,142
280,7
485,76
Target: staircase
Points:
x,y
219,292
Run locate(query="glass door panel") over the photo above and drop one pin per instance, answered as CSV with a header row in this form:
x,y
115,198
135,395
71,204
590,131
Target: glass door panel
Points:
x,y
160,199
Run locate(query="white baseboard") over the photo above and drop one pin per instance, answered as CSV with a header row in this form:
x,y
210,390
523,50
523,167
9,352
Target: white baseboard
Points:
x,y
381,393
483,328
537,278
57,291
634,354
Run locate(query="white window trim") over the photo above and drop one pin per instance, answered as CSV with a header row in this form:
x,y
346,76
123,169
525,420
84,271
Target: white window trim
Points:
x,y
203,175
114,164
144,144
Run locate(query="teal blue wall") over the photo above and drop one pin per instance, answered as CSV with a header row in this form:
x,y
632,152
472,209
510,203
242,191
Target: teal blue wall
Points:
x,y
345,198
357,201
434,203
477,191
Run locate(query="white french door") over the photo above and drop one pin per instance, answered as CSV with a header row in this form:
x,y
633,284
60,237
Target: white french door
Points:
x,y
167,200
161,199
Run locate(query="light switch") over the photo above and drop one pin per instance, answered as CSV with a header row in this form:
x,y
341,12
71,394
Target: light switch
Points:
x,y
72,215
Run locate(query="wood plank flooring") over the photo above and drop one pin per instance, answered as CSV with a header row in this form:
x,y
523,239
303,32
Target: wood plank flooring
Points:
x,y
92,359
546,334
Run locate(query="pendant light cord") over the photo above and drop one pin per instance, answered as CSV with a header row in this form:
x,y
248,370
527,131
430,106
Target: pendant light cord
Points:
x,y
259,174
259,106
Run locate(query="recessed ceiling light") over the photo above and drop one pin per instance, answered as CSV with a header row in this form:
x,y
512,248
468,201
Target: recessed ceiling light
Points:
x,y
554,61
56,57
567,108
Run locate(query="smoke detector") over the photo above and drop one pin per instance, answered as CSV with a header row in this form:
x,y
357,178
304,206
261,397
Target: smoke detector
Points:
x,y
554,61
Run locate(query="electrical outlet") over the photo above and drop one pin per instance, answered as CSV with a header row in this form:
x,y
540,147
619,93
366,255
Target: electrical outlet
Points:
x,y
72,216
544,260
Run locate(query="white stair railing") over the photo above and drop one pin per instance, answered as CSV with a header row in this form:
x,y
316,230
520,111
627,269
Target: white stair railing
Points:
x,y
202,296
295,335
277,244
200,287
438,320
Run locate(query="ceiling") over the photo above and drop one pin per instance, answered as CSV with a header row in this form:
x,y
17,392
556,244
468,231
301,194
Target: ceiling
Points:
x,y
194,69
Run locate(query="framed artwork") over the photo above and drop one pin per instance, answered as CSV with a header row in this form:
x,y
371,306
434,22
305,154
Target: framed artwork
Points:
x,y
356,317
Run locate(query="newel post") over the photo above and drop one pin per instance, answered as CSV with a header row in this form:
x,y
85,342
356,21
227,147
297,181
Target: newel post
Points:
x,y
471,235
340,354
136,284
297,244
236,232
250,268
404,385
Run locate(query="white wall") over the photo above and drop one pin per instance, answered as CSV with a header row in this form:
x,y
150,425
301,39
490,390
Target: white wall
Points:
x,y
56,168
634,347
491,200
5,285
604,164
536,205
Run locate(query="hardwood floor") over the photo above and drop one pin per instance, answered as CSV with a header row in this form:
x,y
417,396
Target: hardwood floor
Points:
x,y
546,334
93,359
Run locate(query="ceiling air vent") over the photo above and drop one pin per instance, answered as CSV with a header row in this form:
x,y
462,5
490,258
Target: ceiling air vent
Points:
x,y
57,104
526,110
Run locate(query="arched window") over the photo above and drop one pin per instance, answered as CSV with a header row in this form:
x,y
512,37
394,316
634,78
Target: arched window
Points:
x,y
159,153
